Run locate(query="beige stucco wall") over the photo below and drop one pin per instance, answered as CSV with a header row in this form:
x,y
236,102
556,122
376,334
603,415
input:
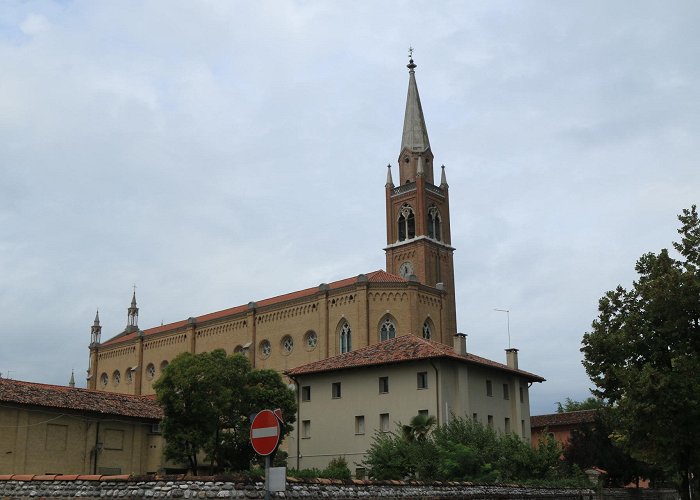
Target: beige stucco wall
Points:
x,y
456,389
364,306
37,441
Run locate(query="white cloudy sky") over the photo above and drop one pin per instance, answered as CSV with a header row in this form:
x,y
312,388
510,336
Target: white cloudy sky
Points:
x,y
217,152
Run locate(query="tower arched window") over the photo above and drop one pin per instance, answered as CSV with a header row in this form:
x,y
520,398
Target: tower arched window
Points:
x,y
427,330
434,224
387,330
345,338
407,223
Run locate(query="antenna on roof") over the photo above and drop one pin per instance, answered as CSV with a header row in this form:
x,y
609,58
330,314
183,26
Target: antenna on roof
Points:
x,y
507,311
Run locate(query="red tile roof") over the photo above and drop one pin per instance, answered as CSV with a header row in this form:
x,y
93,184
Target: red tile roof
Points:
x,y
566,418
69,398
400,349
373,277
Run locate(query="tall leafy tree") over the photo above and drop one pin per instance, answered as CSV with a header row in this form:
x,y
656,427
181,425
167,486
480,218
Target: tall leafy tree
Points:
x,y
590,403
643,355
207,402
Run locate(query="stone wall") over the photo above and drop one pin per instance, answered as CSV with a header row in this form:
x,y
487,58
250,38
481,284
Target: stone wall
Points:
x,y
127,487
638,494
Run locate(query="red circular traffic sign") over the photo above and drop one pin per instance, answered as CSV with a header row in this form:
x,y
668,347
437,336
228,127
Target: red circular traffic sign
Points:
x,y
265,432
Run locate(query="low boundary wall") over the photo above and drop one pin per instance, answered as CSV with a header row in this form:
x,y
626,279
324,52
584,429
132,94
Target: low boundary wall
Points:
x,y
128,487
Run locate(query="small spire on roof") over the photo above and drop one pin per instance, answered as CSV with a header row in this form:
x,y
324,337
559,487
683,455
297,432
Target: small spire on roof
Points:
x,y
71,383
389,180
97,318
443,178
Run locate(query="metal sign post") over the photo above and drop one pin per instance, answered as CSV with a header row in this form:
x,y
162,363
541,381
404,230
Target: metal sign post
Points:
x,y
265,434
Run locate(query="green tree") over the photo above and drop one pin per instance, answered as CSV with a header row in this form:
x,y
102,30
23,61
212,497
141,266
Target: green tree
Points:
x,y
207,402
419,428
643,355
593,444
590,403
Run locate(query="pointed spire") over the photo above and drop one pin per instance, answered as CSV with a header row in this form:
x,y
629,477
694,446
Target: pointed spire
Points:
x,y
415,133
132,323
71,383
95,330
443,178
389,180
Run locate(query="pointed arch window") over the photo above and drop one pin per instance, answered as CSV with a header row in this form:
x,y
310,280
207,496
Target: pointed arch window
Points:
x,y
387,330
427,330
407,223
434,223
345,338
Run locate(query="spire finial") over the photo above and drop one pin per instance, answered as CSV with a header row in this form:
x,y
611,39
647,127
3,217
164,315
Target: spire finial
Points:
x,y
411,66
389,180
71,382
97,318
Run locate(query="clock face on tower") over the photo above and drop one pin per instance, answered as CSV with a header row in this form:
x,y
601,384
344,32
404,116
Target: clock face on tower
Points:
x,y
406,269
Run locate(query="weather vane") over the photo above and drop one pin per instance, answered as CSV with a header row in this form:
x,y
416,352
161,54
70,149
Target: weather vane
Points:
x,y
410,52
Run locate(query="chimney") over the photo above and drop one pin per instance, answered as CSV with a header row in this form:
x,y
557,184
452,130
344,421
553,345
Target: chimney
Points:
x,y
512,358
460,343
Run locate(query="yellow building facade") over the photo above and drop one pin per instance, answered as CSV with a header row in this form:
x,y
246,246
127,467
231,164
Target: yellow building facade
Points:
x,y
50,429
414,296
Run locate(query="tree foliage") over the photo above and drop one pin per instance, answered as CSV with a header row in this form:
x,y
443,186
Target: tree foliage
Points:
x,y
590,403
643,355
466,450
207,402
593,445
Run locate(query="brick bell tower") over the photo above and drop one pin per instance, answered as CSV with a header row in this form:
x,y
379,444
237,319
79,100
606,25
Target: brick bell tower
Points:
x,y
418,212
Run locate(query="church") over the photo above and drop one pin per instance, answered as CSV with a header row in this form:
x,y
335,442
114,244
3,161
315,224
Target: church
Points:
x,y
415,295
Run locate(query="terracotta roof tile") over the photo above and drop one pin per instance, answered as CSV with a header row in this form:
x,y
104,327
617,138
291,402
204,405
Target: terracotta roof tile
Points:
x,y
69,398
379,276
397,350
566,418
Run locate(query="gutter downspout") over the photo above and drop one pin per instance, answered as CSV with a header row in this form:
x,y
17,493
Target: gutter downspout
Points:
x,y
298,422
437,389
96,450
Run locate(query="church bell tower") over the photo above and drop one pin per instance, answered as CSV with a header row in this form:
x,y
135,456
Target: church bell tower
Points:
x,y
418,212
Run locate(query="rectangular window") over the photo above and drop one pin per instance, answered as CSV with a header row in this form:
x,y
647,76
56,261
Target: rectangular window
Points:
x,y
489,388
422,380
522,396
475,417
305,429
423,413
360,473
335,390
490,420
306,393
383,385
360,424
522,427
506,425
384,422
506,391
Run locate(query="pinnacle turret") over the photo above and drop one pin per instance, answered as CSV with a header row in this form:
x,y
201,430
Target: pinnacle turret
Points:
x,y
132,323
95,330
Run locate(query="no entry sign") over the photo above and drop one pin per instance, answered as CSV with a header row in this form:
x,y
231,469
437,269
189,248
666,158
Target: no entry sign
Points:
x,y
265,432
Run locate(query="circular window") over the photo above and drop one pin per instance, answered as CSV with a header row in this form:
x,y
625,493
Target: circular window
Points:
x,y
238,349
310,339
150,371
116,377
265,348
163,366
287,344
104,379
129,375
